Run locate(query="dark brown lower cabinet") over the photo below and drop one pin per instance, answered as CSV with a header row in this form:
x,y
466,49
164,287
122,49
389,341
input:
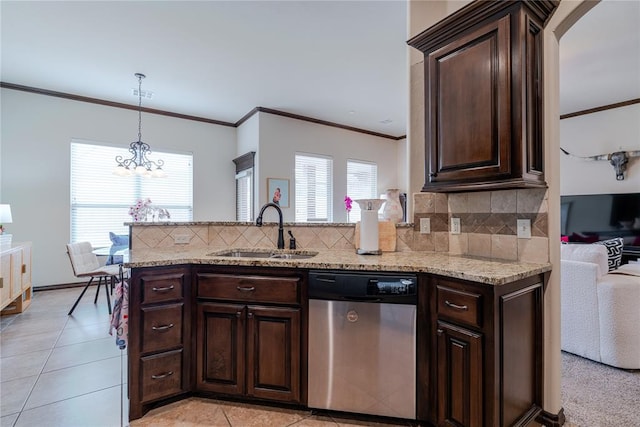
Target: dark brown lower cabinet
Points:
x,y
249,350
159,328
485,356
244,349
460,390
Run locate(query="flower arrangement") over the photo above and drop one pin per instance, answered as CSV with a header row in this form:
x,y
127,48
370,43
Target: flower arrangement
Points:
x,y
143,208
347,205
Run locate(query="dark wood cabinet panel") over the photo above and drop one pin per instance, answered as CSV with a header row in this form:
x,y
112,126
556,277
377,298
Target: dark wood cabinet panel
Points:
x,y
273,349
483,96
162,288
220,348
162,327
249,334
159,322
468,112
161,375
486,352
460,389
249,288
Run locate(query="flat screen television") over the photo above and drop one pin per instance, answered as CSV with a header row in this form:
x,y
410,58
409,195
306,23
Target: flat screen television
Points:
x,y
593,217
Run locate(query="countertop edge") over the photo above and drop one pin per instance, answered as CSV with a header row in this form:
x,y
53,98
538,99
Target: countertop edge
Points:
x,y
486,271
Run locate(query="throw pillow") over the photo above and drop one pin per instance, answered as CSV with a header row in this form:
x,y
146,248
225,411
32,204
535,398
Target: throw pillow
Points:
x,y
614,251
119,239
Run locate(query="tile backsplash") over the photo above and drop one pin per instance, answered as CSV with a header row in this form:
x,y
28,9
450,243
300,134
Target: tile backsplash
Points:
x,y
487,219
488,222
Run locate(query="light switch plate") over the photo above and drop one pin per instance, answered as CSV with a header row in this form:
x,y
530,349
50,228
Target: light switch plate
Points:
x,y
455,225
425,225
524,228
181,239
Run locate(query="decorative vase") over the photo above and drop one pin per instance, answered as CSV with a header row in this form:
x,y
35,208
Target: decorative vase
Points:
x,y
392,207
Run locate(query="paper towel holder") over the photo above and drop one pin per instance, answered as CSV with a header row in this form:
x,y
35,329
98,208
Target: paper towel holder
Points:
x,y
369,244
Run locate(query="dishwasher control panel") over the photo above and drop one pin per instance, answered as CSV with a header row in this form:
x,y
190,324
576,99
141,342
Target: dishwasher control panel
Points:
x,y
363,286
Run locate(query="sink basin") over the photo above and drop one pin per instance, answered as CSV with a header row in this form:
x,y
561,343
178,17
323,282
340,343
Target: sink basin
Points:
x,y
263,253
243,254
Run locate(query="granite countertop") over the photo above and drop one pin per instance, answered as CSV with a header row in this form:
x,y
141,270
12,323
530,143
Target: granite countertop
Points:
x,y
490,272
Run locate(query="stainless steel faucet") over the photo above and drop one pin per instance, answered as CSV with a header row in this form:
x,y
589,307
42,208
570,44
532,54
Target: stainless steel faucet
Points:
x,y
280,224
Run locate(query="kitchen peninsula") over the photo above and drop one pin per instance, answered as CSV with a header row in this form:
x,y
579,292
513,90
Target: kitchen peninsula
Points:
x,y
237,327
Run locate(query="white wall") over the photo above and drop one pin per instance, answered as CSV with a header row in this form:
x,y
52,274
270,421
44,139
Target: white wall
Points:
x,y
249,140
35,157
599,133
282,137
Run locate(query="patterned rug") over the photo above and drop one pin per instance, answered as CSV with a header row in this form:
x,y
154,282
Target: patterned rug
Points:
x,y
598,395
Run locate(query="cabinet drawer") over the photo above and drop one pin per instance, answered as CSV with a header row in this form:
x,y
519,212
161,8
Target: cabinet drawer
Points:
x,y
281,290
459,305
161,375
161,288
161,327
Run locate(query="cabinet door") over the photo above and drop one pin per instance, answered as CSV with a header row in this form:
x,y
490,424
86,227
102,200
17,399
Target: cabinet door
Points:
x,y
26,267
220,347
468,108
273,353
459,376
16,274
5,282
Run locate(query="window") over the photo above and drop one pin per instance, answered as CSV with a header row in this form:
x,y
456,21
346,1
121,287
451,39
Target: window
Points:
x,y
362,183
314,191
244,195
244,186
100,200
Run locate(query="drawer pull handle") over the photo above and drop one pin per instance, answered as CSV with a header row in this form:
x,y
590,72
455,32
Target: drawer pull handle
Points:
x,y
246,288
456,306
167,289
161,376
162,328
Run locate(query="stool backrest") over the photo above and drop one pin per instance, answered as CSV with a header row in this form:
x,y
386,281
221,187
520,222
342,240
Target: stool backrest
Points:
x,y
83,260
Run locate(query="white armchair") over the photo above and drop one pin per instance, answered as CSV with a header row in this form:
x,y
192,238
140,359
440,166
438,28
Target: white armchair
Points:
x,y
600,317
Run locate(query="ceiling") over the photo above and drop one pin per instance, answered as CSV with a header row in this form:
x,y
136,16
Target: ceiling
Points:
x,y
339,61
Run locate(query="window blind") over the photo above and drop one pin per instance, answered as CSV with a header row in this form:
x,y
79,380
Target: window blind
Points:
x,y
362,183
244,195
100,200
313,187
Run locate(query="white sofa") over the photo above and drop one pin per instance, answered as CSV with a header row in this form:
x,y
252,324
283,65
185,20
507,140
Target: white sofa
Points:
x,y
600,317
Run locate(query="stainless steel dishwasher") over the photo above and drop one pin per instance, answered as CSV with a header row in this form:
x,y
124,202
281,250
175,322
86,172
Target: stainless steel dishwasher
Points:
x,y
362,343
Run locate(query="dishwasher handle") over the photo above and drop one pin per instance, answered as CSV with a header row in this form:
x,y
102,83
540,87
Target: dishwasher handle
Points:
x,y
360,299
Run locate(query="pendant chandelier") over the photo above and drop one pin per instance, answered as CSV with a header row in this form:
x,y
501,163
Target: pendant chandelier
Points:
x,y
139,163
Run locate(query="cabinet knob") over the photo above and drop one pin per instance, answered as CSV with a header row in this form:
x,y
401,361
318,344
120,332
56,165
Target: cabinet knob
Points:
x,y
250,315
433,174
439,331
238,313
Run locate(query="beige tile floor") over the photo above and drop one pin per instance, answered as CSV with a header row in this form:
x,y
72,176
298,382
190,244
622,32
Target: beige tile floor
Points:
x,y
59,370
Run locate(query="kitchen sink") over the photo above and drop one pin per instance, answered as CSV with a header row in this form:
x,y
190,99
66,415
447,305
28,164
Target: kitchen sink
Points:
x,y
262,253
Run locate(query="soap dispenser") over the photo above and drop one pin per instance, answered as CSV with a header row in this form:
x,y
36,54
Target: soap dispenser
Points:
x,y
292,241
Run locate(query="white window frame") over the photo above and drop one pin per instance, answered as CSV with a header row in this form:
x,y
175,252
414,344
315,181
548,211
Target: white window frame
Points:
x,y
364,186
305,188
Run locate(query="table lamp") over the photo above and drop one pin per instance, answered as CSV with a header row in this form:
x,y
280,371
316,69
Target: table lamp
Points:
x,y
5,216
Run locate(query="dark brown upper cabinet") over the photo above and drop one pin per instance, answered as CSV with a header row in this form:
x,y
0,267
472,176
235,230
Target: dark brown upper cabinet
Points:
x,y
483,96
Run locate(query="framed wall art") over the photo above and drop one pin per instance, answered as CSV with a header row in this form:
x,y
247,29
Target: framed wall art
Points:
x,y
278,191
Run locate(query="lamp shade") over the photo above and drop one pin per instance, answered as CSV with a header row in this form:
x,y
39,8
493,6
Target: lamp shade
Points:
x,y
5,214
